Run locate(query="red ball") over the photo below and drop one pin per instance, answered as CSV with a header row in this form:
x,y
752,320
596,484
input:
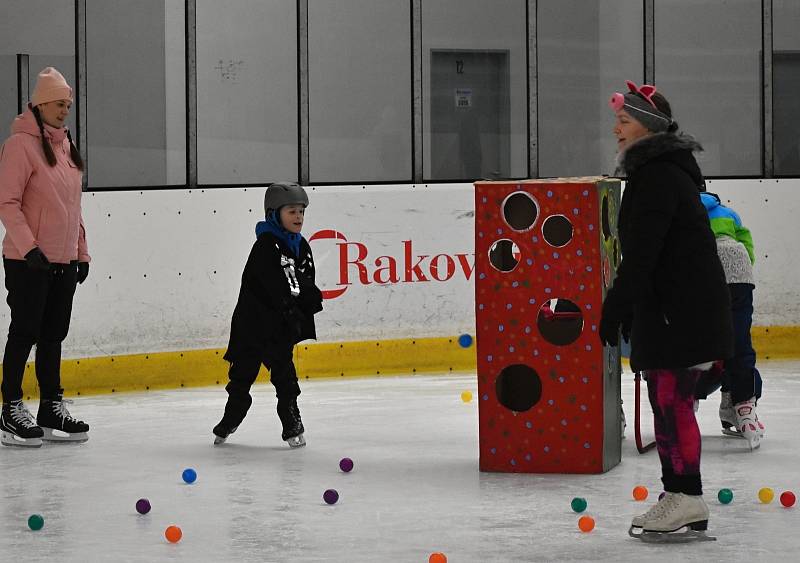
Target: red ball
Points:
x,y
787,498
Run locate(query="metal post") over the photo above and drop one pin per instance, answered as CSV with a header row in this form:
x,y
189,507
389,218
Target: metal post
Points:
x,y
303,160
417,137
81,97
191,93
533,90
23,81
768,137
649,42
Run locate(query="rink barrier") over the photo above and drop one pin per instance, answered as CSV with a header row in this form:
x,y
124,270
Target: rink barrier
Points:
x,y
197,368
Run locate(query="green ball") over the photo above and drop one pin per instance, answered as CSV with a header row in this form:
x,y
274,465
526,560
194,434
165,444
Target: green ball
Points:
x,y
578,504
725,496
35,522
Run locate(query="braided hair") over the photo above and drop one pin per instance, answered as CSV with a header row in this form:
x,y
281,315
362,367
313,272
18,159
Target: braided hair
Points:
x,y
49,155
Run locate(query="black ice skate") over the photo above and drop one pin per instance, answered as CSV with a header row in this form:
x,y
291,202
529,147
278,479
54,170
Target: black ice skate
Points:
x,y
222,431
56,422
17,427
292,425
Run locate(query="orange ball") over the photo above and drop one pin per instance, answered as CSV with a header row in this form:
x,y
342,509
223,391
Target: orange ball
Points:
x,y
437,557
173,534
586,523
640,492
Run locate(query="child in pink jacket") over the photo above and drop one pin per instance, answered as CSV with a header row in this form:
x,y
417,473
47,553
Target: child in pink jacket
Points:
x,y
44,257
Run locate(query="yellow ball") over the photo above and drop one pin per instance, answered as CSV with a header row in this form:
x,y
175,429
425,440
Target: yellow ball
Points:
x,y
466,396
766,495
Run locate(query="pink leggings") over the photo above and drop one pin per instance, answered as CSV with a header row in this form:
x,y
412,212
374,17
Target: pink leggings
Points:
x,y
671,393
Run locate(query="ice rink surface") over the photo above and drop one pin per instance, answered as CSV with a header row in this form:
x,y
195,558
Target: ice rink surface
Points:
x,y
415,488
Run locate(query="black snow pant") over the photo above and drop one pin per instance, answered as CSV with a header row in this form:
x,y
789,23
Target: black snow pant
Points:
x,y
242,374
41,307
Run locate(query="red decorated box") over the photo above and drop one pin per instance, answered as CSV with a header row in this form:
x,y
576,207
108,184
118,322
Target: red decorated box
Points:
x,y
549,392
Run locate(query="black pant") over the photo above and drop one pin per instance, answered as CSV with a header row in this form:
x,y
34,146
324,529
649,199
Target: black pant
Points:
x,y
242,374
41,307
741,377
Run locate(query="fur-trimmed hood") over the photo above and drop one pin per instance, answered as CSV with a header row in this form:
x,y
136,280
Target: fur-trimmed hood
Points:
x,y
675,148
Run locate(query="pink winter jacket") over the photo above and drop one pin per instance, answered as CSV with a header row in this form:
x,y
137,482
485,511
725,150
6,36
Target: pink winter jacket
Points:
x,y
40,205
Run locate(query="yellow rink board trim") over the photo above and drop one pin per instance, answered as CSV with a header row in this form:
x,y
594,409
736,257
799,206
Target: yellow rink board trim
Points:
x,y
195,368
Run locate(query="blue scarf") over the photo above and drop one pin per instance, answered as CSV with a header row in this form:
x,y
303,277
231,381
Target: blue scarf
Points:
x,y
273,225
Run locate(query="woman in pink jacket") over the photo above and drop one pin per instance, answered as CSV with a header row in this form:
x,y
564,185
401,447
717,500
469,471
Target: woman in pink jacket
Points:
x,y
44,256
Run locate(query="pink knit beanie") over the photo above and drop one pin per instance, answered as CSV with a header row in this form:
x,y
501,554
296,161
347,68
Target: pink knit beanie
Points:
x,y
50,86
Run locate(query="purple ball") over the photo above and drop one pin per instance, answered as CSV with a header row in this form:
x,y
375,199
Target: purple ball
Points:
x,y
330,496
346,464
142,506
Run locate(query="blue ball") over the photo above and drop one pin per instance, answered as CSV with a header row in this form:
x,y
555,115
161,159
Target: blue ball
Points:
x,y
465,340
189,475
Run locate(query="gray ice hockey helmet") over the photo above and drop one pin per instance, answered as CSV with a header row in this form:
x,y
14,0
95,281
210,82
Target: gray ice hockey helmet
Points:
x,y
284,193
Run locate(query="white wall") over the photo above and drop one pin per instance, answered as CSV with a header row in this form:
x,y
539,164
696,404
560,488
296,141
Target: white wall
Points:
x,y
166,264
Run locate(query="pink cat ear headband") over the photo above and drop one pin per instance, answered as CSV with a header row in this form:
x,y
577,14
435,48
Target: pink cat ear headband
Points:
x,y
646,111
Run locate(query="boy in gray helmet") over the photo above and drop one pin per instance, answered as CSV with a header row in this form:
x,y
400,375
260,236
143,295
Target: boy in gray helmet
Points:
x,y
277,303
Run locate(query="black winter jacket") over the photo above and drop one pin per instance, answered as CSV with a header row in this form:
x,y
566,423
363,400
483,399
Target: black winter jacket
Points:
x,y
277,302
670,284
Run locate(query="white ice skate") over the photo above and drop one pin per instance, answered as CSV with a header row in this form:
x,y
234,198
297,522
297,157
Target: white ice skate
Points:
x,y
296,441
747,422
639,521
727,416
676,518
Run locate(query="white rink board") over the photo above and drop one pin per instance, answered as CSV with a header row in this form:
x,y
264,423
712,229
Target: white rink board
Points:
x,y
167,264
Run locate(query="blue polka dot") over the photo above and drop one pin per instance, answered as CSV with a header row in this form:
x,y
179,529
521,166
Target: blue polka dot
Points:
x,y
535,239
561,379
527,330
546,266
583,408
588,306
549,193
482,276
546,449
501,328
594,328
585,193
558,357
531,301
513,462
547,290
588,347
574,210
527,457
579,252
528,424
485,397
508,306
555,254
588,268
480,234
563,422
581,287
586,445
529,261
499,231
515,284
585,379
551,402
536,352
484,200
511,349
489,358
493,450
480,306
591,227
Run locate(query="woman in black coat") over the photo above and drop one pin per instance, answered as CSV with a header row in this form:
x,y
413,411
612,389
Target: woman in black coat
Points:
x,y
669,297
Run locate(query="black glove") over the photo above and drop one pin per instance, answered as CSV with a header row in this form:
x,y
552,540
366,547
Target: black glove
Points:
x,y
83,271
609,330
37,260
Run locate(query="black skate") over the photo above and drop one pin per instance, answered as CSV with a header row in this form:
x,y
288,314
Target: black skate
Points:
x,y
222,431
292,424
56,422
17,427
